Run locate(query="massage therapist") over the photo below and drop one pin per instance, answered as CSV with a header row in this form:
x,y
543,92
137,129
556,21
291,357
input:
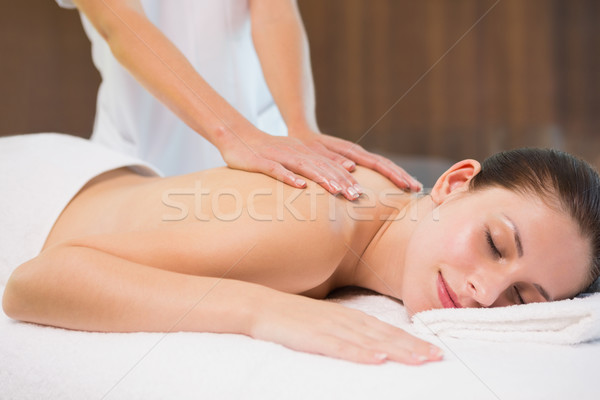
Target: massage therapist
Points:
x,y
194,84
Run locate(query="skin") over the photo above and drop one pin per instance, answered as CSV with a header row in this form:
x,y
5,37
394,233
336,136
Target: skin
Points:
x,y
281,44
451,238
132,253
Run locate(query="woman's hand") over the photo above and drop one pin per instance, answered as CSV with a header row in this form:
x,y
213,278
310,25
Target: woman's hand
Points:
x,y
330,329
285,158
323,159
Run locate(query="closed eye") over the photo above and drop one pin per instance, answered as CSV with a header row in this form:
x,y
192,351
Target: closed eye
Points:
x,y
519,298
492,245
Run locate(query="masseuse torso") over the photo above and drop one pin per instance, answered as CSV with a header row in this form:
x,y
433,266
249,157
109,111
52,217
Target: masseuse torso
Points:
x,y
232,224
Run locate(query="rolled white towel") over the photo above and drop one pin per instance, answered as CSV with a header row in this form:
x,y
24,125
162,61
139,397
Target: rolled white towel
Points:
x,y
558,322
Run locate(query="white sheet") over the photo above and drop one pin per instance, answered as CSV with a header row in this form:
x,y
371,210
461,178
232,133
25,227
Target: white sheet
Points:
x,y
42,362
39,175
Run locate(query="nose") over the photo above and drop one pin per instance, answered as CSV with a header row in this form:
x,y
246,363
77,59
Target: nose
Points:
x,y
486,286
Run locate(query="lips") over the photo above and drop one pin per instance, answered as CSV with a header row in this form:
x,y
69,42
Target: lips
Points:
x,y
445,294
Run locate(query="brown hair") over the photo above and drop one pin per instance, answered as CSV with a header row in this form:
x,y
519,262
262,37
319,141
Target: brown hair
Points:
x,y
560,179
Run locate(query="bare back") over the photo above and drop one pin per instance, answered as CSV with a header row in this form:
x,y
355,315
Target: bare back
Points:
x,y
230,223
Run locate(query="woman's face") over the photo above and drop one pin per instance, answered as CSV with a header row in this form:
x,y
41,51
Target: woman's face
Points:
x,y
493,248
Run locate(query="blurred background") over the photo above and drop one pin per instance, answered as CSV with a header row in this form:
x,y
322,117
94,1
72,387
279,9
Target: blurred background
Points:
x,y
445,79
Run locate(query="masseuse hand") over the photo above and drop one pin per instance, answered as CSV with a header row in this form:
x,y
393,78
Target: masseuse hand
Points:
x,y
330,329
323,159
346,153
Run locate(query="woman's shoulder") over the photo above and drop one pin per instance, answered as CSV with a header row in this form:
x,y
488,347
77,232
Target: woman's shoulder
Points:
x,y
368,178
381,197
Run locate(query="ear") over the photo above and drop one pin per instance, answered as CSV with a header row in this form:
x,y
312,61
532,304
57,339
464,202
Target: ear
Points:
x,y
454,180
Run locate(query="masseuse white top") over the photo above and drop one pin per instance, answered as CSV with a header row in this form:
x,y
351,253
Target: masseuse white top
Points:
x,y
215,37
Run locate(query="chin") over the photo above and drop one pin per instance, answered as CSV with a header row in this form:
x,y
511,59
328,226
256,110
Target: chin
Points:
x,y
416,305
418,296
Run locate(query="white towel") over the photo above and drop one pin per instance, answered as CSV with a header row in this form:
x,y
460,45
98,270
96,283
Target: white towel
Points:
x,y
559,322
39,175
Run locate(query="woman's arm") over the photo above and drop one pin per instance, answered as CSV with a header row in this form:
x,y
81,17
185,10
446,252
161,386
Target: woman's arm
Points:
x,y
282,46
165,72
82,288
162,69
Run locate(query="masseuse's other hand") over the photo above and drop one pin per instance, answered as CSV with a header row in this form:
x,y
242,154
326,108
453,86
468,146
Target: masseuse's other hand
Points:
x,y
323,159
347,154
330,329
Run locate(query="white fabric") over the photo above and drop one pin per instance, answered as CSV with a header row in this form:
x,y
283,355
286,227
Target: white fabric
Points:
x,y
51,363
66,3
559,322
215,37
48,363
39,175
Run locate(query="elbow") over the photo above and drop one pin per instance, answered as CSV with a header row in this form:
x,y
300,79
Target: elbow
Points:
x,y
23,296
35,290
14,299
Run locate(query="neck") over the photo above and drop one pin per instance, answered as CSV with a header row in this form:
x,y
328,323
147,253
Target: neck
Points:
x,y
381,267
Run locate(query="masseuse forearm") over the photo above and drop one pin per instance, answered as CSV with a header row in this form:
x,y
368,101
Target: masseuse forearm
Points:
x,y
282,47
161,68
86,289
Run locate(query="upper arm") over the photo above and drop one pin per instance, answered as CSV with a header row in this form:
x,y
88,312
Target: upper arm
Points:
x,y
264,12
292,256
110,16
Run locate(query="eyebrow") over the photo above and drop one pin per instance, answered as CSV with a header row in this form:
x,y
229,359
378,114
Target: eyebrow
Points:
x,y
513,228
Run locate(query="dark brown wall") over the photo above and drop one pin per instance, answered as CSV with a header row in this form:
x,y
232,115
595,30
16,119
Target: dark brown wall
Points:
x,y
425,77
413,77
47,80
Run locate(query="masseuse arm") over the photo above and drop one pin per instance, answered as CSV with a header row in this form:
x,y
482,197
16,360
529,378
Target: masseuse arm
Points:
x,y
283,50
83,288
166,73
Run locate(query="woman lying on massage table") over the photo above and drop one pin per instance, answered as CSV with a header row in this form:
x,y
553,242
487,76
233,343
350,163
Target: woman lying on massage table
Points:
x,y
231,251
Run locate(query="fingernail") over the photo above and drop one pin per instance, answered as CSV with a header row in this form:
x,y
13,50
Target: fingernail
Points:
x,y
359,188
417,184
418,357
381,356
435,352
300,182
349,165
336,186
352,192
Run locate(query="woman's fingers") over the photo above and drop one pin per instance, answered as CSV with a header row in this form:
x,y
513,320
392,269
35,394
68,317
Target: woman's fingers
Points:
x,y
289,161
329,175
414,350
321,158
277,171
333,330
333,346
384,166
398,345
353,346
387,168
336,157
294,158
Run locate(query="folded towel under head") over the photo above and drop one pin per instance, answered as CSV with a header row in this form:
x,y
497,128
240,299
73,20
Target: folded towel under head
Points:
x,y
558,322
